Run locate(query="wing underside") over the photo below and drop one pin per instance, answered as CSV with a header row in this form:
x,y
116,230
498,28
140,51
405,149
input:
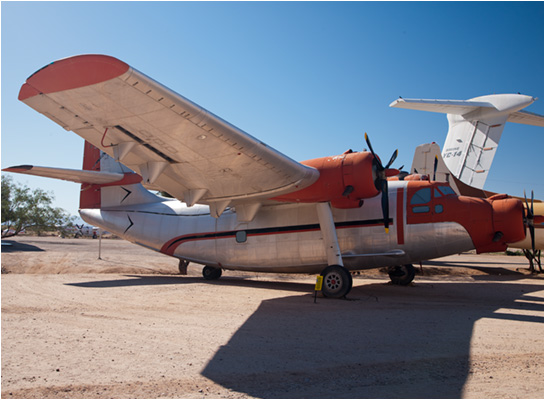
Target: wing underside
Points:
x,y
174,144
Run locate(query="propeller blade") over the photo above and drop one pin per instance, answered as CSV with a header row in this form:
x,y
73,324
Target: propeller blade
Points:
x,y
435,162
392,159
530,219
526,201
532,203
369,145
381,183
533,237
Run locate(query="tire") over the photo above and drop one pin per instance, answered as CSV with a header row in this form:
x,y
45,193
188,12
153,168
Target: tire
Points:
x,y
211,273
401,274
337,281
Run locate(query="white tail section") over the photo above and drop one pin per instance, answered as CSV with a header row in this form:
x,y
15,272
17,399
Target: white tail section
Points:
x,y
475,128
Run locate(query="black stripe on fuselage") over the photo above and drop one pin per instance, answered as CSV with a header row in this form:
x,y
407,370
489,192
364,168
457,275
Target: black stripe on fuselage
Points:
x,y
275,230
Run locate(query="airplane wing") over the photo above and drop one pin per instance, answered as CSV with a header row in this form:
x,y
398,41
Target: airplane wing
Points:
x,y
173,143
475,129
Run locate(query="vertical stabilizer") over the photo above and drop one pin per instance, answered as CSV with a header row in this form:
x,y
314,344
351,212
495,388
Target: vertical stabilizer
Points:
x,y
475,128
126,191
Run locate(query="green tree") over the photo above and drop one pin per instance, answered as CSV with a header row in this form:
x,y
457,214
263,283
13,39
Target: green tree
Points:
x,y
24,209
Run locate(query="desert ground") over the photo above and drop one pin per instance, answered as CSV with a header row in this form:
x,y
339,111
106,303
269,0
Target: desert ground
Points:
x,y
128,326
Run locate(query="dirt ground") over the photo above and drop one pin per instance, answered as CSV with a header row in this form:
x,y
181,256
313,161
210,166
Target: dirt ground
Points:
x,y
127,326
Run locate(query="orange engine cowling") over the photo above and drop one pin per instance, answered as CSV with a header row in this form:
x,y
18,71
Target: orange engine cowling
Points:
x,y
508,216
345,180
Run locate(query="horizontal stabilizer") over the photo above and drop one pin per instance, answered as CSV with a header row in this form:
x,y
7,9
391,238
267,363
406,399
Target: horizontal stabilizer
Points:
x,y
526,117
478,108
457,107
475,129
72,175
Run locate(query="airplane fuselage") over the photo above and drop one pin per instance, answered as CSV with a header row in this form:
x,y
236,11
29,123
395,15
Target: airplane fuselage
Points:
x,y
287,237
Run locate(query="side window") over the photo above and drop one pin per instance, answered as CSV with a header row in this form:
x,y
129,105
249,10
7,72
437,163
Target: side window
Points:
x,y
240,236
438,209
423,196
421,209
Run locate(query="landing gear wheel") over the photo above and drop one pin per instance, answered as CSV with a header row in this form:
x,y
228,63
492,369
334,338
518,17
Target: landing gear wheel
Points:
x,y
337,281
211,273
401,274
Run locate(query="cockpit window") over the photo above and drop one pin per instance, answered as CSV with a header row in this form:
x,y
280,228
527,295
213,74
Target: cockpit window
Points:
x,y
423,196
446,190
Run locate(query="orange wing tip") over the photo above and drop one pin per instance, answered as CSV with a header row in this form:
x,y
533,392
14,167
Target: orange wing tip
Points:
x,y
71,73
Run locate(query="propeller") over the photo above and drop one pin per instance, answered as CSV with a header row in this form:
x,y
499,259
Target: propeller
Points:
x,y
530,219
435,162
381,183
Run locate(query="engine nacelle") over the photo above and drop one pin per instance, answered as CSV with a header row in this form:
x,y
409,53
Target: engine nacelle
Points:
x,y
345,180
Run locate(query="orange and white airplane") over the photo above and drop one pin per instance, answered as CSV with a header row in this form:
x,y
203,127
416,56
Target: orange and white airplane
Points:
x,y
239,204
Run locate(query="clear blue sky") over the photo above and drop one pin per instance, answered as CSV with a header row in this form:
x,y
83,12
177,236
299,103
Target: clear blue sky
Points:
x,y
306,78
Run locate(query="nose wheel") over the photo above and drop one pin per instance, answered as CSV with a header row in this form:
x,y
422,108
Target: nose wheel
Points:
x,y
337,281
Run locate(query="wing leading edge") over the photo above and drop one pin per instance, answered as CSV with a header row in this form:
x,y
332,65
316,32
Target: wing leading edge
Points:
x,y
174,144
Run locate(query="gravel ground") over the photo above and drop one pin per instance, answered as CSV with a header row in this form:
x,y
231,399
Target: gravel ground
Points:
x,y
127,326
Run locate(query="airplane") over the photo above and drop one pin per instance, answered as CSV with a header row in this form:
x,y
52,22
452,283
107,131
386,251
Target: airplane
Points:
x,y
83,230
239,204
475,128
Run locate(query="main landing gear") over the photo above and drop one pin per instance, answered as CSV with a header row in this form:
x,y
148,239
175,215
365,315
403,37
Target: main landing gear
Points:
x,y
401,274
337,281
211,273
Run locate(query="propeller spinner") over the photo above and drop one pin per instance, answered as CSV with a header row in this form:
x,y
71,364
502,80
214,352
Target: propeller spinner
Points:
x,y
381,183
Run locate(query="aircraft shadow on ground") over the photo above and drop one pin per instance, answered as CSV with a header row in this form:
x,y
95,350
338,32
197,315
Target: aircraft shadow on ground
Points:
x,y
389,342
154,280
386,341
14,246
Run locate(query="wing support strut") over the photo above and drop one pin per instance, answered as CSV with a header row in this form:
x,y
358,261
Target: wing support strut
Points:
x,y
329,233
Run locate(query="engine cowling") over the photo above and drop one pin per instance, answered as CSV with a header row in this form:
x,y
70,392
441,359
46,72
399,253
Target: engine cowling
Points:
x,y
345,180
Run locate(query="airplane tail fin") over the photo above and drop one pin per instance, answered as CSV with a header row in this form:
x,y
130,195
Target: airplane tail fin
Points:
x,y
424,164
475,128
104,182
125,190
